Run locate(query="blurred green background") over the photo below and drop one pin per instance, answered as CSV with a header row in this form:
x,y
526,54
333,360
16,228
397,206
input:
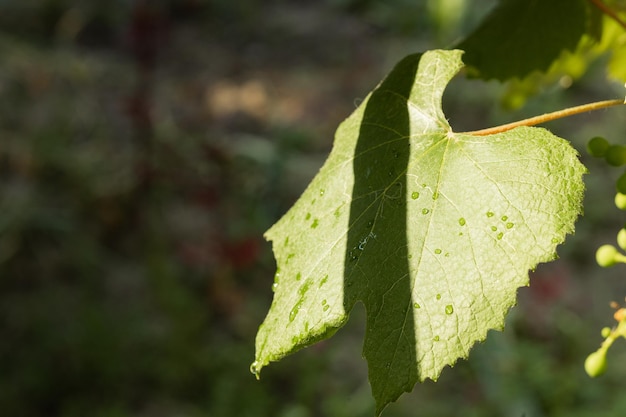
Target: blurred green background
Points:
x,y
145,146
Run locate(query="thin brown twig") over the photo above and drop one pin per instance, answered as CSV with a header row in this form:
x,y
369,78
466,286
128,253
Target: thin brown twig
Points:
x,y
532,121
607,11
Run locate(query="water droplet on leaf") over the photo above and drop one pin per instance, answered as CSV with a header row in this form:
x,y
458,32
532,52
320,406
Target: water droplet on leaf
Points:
x,y
254,368
425,211
304,287
324,280
462,221
490,214
294,311
449,309
415,195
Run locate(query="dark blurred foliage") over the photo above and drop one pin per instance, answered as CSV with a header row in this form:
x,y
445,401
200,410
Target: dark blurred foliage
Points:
x,y
144,148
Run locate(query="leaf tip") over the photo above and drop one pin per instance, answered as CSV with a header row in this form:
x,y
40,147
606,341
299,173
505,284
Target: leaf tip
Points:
x,y
255,369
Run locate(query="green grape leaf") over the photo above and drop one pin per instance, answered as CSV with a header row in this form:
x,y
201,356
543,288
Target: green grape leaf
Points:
x,y
432,230
521,36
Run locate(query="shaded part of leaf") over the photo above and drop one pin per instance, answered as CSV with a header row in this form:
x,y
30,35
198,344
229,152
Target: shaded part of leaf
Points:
x,y
380,275
521,36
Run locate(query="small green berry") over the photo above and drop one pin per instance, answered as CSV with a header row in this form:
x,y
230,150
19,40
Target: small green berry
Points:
x,y
620,184
620,201
621,238
595,364
606,332
597,146
615,155
606,255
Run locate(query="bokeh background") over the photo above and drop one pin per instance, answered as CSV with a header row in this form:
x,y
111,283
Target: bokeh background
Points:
x,y
145,146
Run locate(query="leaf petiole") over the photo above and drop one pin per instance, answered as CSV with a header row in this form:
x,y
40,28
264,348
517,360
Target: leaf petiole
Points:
x,y
548,117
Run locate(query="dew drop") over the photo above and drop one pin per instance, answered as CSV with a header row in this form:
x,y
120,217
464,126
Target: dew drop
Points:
x,y
416,305
449,309
425,211
294,311
315,224
490,214
370,223
436,338
286,240
324,302
555,240
509,225
326,307
435,195
274,286
438,296
298,276
500,235
494,228
415,195
308,216
324,280
437,251
254,368
462,221
322,191
505,218
409,256
304,288
337,212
